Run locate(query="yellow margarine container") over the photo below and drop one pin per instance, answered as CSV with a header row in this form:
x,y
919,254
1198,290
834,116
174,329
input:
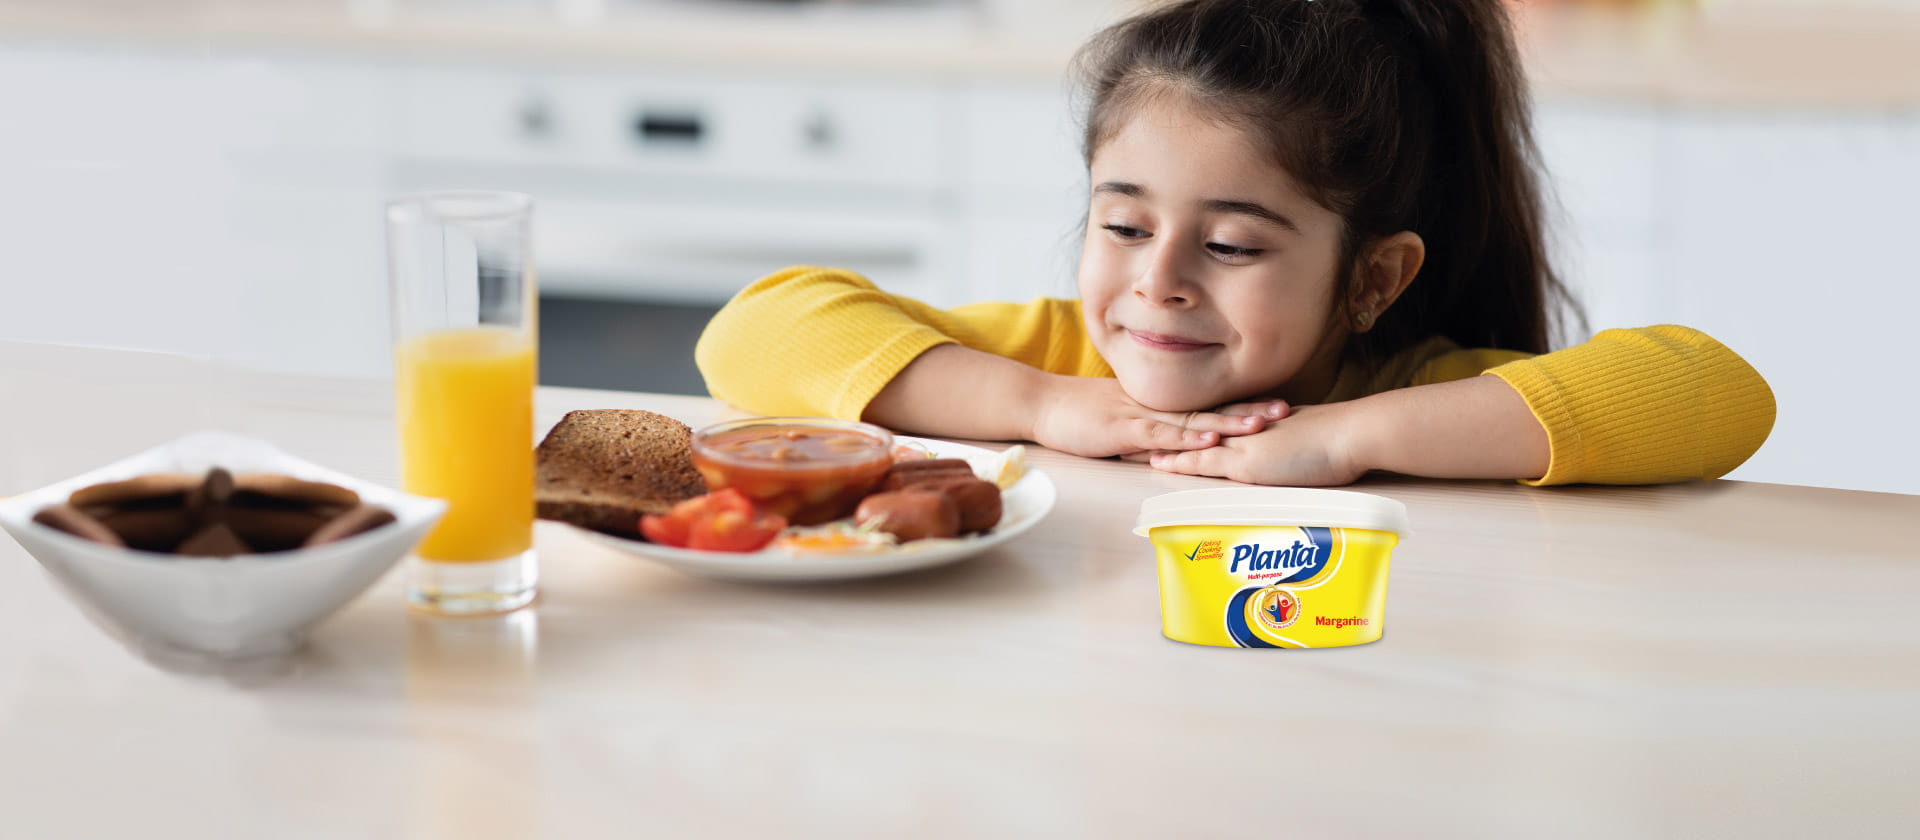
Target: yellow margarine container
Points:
x,y
1272,567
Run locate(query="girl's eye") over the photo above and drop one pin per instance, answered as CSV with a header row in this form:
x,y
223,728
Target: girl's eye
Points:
x,y
1125,232
1231,251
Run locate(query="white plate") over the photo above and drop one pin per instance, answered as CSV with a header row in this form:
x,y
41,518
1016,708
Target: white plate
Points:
x,y
1023,505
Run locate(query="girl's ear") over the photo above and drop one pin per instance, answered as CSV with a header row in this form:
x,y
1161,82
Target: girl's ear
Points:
x,y
1386,268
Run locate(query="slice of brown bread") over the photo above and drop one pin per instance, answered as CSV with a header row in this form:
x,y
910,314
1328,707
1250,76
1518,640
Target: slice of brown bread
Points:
x,y
602,468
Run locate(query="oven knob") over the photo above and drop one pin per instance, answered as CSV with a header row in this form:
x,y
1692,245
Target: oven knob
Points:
x,y
818,131
536,119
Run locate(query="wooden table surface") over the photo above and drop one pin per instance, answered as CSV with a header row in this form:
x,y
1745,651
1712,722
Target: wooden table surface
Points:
x,y
1686,660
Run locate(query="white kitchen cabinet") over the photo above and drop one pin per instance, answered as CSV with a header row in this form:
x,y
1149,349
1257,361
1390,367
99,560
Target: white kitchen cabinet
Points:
x,y
221,206
1022,191
1600,162
1791,240
304,218
112,196
1779,232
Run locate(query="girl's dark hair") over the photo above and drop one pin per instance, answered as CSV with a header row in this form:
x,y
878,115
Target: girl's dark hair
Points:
x,y
1395,114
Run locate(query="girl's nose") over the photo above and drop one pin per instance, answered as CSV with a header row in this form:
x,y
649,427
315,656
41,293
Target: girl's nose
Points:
x,y
1163,280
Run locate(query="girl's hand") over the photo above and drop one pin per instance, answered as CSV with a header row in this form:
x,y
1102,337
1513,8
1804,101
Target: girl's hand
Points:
x,y
1478,427
1095,418
1310,447
1270,409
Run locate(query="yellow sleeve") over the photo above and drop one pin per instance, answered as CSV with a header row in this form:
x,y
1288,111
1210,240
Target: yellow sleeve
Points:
x,y
823,341
1640,406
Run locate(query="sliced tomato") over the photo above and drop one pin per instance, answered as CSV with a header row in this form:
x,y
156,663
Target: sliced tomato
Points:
x,y
724,520
665,529
729,499
731,530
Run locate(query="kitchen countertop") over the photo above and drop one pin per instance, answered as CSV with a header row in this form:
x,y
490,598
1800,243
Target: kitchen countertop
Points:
x,y
1737,55
1715,658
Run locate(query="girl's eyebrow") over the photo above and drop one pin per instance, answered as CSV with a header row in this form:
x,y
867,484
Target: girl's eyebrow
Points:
x,y
1122,188
1248,208
1211,205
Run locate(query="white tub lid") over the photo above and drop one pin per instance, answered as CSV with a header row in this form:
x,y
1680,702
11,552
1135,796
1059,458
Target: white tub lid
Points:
x,y
1273,506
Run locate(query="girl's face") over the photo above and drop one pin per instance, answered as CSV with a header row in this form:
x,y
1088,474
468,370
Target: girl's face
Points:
x,y
1206,277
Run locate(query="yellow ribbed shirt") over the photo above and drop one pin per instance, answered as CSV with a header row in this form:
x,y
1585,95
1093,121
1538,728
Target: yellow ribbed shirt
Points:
x,y
1638,406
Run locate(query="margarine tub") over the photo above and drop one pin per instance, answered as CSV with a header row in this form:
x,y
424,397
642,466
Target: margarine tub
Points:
x,y
1272,567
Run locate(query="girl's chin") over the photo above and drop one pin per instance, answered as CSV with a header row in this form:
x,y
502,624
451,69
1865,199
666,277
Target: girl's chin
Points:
x,y
1168,396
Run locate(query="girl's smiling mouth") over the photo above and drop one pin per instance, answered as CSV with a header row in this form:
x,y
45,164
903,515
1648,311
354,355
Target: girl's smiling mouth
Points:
x,y
1171,343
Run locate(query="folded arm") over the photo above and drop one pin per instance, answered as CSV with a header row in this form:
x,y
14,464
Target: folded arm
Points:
x,y
1477,427
814,341
1644,406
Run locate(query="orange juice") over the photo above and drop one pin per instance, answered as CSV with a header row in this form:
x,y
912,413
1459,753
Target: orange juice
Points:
x,y
466,435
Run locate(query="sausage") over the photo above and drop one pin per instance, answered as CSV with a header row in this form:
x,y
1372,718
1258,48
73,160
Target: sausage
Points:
x,y
904,474
910,514
977,499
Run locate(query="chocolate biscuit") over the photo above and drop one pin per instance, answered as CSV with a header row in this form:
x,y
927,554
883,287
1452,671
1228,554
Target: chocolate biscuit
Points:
x,y
74,521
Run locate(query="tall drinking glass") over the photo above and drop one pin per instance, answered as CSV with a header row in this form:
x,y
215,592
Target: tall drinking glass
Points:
x,y
464,335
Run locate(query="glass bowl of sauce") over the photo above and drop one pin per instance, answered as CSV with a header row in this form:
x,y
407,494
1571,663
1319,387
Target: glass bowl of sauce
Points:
x,y
808,469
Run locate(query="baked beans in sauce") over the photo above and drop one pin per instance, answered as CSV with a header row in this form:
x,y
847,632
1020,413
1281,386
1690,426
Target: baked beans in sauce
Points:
x,y
808,473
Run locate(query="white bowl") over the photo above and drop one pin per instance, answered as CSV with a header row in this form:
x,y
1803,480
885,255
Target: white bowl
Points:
x,y
226,608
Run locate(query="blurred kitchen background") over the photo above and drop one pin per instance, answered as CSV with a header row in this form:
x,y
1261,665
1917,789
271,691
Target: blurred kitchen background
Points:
x,y
207,176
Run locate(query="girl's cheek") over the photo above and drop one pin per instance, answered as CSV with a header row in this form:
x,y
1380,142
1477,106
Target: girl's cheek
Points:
x,y
1100,274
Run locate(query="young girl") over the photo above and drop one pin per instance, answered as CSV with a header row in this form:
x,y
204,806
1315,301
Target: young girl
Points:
x,y
1300,213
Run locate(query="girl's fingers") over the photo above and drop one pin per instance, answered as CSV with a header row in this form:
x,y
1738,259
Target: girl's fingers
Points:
x,y
1159,435
1270,409
1220,424
1137,457
1194,462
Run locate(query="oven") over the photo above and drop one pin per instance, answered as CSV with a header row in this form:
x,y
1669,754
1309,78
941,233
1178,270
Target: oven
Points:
x,y
661,193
